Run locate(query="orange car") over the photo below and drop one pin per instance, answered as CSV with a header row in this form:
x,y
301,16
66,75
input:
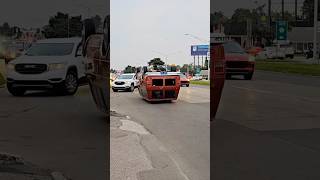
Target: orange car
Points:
x,y
254,51
184,80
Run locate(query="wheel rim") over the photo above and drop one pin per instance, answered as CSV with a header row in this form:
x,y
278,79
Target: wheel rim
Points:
x,y
132,88
71,83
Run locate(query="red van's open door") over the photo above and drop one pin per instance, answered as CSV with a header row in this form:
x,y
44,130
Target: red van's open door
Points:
x,y
217,73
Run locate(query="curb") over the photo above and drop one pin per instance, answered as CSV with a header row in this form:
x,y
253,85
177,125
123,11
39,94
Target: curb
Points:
x,y
10,159
58,176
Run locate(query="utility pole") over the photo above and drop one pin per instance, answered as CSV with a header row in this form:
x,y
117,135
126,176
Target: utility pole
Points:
x,y
194,65
68,24
282,9
296,10
315,30
269,18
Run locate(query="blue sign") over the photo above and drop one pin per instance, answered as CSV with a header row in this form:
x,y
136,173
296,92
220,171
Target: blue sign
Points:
x,y
199,50
163,73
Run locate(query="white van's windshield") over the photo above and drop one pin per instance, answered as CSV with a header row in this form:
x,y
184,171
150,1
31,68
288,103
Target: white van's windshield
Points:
x,y
50,49
125,76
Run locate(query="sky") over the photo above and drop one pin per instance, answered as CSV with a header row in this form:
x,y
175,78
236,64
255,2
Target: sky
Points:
x,y
144,29
36,13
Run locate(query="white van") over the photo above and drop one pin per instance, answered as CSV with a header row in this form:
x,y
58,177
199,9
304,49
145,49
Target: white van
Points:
x,y
48,64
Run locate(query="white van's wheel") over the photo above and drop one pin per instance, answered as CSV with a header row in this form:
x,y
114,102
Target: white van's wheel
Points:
x,y
71,83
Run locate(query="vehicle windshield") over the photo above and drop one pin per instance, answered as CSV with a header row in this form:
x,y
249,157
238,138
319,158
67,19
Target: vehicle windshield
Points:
x,y
233,47
125,76
50,49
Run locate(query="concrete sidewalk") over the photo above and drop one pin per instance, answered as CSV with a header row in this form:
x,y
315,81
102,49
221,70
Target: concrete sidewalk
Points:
x,y
135,154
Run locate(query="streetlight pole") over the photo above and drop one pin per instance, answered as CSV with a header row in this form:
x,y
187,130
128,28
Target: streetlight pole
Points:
x,y
315,29
68,26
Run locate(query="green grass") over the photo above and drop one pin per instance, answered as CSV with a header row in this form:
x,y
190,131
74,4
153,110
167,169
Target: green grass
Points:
x,y
203,83
2,81
289,67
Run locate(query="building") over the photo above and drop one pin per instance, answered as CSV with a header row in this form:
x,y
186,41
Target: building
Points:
x,y
302,39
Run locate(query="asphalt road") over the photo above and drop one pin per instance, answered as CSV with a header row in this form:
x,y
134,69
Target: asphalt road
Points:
x,y
182,127
268,128
61,133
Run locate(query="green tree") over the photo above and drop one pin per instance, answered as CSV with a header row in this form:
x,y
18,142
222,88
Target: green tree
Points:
x,y
184,68
308,11
155,62
6,30
60,24
129,69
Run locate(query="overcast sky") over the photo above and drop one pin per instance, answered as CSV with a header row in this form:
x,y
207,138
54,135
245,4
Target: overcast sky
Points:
x,y
144,29
35,13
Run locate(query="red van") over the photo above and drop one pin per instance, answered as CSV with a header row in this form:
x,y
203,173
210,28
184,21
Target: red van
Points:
x,y
238,62
159,86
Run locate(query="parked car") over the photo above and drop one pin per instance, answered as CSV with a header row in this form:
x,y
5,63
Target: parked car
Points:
x,y
197,77
127,81
238,62
49,64
288,50
274,52
254,51
184,80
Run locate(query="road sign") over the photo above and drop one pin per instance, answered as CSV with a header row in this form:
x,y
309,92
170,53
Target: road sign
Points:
x,y
282,30
199,50
198,70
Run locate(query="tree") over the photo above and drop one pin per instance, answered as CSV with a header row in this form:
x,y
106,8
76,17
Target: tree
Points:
x,y
308,11
129,69
184,68
218,18
6,30
156,62
61,25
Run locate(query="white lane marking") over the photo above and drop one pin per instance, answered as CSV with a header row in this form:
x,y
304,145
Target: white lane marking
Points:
x,y
132,126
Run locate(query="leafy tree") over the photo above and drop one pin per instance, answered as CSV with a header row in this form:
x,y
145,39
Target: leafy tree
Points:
x,y
184,68
60,24
155,62
129,69
308,11
6,30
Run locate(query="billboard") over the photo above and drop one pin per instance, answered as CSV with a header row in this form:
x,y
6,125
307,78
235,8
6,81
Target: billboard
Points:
x,y
199,50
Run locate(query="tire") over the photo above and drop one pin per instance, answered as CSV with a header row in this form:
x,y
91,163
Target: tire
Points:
x,y
228,76
114,90
187,85
71,83
248,76
15,91
131,89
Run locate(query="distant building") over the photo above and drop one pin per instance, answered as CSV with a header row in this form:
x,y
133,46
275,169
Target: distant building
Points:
x,y
302,39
